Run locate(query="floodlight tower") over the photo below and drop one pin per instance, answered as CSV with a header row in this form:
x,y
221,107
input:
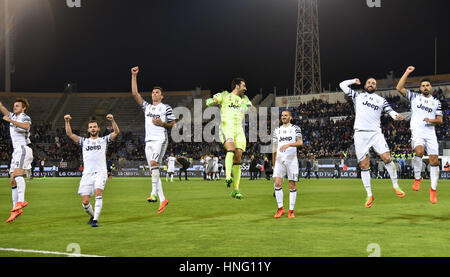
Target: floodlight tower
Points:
x,y
6,38
307,78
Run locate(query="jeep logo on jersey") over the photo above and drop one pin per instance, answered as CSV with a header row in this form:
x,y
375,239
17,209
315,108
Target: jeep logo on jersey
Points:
x,y
422,107
370,105
285,139
234,106
90,148
153,115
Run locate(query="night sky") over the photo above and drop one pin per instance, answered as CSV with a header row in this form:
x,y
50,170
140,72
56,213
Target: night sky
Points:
x,y
182,44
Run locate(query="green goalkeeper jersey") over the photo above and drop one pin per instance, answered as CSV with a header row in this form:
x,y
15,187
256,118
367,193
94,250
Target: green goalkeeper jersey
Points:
x,y
232,108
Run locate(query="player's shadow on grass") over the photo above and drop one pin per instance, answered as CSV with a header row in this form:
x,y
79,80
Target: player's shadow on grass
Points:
x,y
414,218
302,213
202,217
129,219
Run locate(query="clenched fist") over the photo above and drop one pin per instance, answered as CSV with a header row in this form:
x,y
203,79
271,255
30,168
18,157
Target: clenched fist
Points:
x,y
410,69
357,81
67,117
110,117
135,70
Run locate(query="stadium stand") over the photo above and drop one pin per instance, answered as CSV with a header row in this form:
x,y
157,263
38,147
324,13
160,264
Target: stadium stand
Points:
x,y
326,123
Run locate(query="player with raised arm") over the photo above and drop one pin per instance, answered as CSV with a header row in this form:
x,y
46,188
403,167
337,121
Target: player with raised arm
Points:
x,y
95,172
426,112
19,129
158,119
286,139
233,106
368,110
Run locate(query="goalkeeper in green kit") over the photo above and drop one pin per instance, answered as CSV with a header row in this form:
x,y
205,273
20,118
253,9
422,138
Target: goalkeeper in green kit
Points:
x,y
233,106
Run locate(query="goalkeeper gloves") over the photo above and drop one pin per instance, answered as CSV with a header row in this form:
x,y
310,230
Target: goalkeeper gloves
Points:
x,y
209,102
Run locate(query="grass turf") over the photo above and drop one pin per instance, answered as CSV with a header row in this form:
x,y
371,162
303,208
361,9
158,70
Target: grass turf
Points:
x,y
202,220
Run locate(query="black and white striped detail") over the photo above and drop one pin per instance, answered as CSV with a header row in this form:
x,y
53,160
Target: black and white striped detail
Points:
x,y
22,156
169,114
386,106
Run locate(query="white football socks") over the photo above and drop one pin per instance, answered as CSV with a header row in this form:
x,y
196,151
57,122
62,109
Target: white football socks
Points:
x,y
20,188
392,170
155,178
292,199
160,191
98,206
434,176
365,177
88,209
279,196
417,164
14,195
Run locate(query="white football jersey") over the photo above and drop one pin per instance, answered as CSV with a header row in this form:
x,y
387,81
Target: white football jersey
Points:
x,y
368,108
163,111
423,107
215,161
207,160
19,136
94,153
286,135
171,161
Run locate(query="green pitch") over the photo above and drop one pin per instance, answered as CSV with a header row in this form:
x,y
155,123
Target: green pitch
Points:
x,y
202,220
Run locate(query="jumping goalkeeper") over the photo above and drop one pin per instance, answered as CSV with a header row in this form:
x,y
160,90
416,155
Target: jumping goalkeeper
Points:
x,y
233,106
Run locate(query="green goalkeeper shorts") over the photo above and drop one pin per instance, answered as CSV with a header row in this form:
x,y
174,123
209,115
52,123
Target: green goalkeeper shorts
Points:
x,y
236,135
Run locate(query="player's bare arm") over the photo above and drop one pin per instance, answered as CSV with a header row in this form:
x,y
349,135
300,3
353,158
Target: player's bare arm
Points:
x,y
116,130
159,122
274,154
298,143
3,110
401,84
439,120
22,125
134,86
69,133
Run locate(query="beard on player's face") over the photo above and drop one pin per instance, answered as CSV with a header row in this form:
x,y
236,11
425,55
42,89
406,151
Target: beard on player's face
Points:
x,y
370,89
285,120
425,89
93,132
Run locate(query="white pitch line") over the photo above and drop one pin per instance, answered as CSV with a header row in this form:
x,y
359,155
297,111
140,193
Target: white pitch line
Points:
x,y
47,252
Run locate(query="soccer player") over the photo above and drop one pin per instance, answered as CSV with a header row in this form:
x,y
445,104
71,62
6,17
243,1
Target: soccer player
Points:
x,y
19,129
233,106
368,109
286,139
158,119
209,166
426,112
215,171
171,166
184,164
95,172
